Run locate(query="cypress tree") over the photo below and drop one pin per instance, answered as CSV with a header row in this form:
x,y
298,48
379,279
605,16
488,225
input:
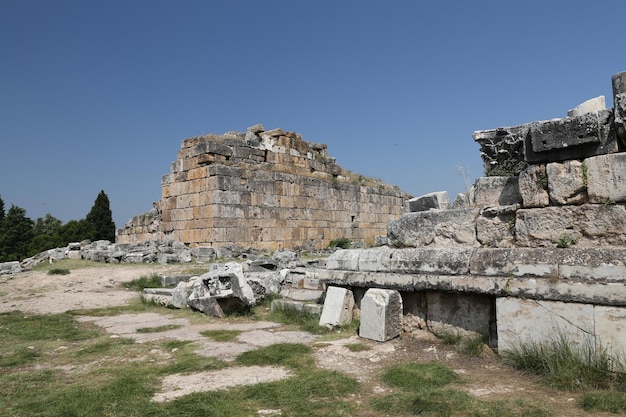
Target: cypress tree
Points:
x,y
101,219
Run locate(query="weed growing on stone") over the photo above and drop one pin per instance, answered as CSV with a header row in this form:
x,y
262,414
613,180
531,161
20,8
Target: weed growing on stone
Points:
x,y
565,241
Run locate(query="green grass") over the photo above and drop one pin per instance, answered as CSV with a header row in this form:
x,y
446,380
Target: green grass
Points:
x,y
58,271
570,366
221,335
611,401
469,345
159,329
357,347
294,355
151,281
418,376
423,390
310,323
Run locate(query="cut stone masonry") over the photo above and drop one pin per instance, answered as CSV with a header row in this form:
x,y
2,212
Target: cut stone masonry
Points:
x,y
267,190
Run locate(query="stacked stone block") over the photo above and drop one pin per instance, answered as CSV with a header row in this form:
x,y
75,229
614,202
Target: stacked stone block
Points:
x,y
270,190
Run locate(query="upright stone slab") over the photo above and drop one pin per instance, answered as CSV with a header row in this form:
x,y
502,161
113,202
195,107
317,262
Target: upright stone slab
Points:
x,y
338,307
381,315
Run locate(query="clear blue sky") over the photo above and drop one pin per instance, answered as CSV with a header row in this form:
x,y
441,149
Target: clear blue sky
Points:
x,y
99,94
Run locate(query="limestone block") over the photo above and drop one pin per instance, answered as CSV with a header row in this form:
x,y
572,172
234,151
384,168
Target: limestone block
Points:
x,y
436,200
344,259
381,315
338,307
517,262
589,106
440,228
533,321
495,191
455,313
571,138
496,231
440,261
566,182
461,201
533,186
604,265
588,225
606,178
610,328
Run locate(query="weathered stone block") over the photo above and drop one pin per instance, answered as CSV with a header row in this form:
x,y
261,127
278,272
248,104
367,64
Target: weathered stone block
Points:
x,y
516,262
495,191
441,261
606,178
338,307
502,149
381,315
533,186
441,228
496,231
588,225
571,138
528,321
436,200
566,182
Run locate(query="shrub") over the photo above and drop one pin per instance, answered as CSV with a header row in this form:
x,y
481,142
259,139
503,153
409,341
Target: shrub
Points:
x,y
342,242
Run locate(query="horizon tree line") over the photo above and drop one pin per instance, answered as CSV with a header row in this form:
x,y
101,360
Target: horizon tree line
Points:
x,y
21,237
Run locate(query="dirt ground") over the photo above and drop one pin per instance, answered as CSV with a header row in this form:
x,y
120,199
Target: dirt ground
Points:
x,y
485,376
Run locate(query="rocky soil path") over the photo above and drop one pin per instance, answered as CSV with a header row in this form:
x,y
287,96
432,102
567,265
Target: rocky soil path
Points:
x,y
38,293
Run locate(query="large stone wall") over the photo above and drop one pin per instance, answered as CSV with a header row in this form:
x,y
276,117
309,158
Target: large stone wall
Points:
x,y
267,190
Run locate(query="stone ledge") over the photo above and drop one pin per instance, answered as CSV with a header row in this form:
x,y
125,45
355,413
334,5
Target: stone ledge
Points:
x,y
548,289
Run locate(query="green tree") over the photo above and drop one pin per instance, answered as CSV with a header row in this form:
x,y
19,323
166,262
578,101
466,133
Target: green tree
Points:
x,y
1,211
101,218
16,233
46,234
75,231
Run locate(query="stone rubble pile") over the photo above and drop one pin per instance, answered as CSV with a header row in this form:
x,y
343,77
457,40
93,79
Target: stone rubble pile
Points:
x,y
234,286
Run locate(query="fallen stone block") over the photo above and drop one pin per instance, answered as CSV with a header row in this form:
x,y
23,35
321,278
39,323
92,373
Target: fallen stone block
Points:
x,y
207,305
437,200
338,306
381,315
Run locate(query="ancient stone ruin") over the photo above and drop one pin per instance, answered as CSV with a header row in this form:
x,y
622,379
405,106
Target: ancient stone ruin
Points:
x,y
267,190
538,253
